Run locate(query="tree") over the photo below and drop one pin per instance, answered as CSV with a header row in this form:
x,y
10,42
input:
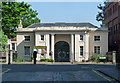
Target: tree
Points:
x,y
3,40
12,12
100,15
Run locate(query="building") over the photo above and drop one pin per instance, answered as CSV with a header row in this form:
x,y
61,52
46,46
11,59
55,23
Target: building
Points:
x,y
62,42
13,48
112,22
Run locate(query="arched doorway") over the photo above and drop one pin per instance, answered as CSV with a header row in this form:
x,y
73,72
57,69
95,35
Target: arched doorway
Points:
x,y
62,52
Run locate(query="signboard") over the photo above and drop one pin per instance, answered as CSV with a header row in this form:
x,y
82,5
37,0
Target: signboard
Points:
x,y
41,49
9,41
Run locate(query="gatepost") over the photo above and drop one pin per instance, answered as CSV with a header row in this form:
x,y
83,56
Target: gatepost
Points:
x,y
11,57
114,57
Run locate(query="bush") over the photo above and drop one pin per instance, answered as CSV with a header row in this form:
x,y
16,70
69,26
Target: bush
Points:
x,y
32,57
19,60
95,58
42,60
48,60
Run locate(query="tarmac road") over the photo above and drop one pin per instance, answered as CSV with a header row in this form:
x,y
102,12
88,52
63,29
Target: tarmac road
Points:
x,y
30,73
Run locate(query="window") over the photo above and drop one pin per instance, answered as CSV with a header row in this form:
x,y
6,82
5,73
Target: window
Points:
x,y
42,37
27,38
13,46
97,49
96,38
27,50
119,27
116,28
81,50
81,37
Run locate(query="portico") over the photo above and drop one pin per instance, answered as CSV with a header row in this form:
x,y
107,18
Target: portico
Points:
x,y
68,37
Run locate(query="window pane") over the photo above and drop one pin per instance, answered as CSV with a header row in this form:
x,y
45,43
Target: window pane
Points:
x,y
27,38
42,37
97,49
27,50
96,38
81,50
13,46
81,37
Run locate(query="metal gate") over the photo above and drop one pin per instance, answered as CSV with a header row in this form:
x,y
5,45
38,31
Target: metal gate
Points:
x,y
62,52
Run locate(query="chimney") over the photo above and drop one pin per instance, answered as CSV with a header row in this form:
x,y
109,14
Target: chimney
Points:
x,y
20,24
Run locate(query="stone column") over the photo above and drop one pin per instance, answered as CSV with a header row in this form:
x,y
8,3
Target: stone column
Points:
x,y
52,45
86,46
11,56
48,45
7,55
114,57
72,48
15,46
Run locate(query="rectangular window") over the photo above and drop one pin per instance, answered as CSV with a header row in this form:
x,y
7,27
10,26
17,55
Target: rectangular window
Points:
x,y
27,50
42,37
119,27
81,50
81,37
13,46
97,49
27,38
96,38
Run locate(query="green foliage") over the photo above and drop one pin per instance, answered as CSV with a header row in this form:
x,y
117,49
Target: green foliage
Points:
x,y
19,60
12,12
48,60
95,58
3,41
43,59
100,15
32,57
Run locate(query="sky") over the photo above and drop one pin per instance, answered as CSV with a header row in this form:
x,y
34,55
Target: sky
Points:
x,y
68,12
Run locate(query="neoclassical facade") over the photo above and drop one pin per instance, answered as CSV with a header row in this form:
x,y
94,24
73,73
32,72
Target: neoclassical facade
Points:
x,y
62,42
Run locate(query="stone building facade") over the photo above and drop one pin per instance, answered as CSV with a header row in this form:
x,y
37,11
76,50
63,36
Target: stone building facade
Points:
x,y
64,42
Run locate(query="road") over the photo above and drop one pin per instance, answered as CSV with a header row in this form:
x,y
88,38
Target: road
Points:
x,y
30,73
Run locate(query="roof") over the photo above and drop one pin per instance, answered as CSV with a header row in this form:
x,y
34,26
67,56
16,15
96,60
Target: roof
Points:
x,y
62,25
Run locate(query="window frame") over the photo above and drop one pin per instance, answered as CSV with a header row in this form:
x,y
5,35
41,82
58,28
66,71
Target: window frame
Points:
x,y
13,46
97,50
82,51
97,40
42,36
82,38
25,52
27,40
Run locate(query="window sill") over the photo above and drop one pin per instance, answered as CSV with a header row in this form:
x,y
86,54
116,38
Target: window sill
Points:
x,y
41,40
26,55
81,41
97,41
26,41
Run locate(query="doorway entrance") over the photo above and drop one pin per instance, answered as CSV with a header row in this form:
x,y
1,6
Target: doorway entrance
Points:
x,y
62,52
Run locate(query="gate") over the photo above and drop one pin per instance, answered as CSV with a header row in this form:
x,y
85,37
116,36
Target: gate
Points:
x,y
62,52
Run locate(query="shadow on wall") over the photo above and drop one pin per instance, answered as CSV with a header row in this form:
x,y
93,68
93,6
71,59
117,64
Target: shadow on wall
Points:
x,y
21,51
